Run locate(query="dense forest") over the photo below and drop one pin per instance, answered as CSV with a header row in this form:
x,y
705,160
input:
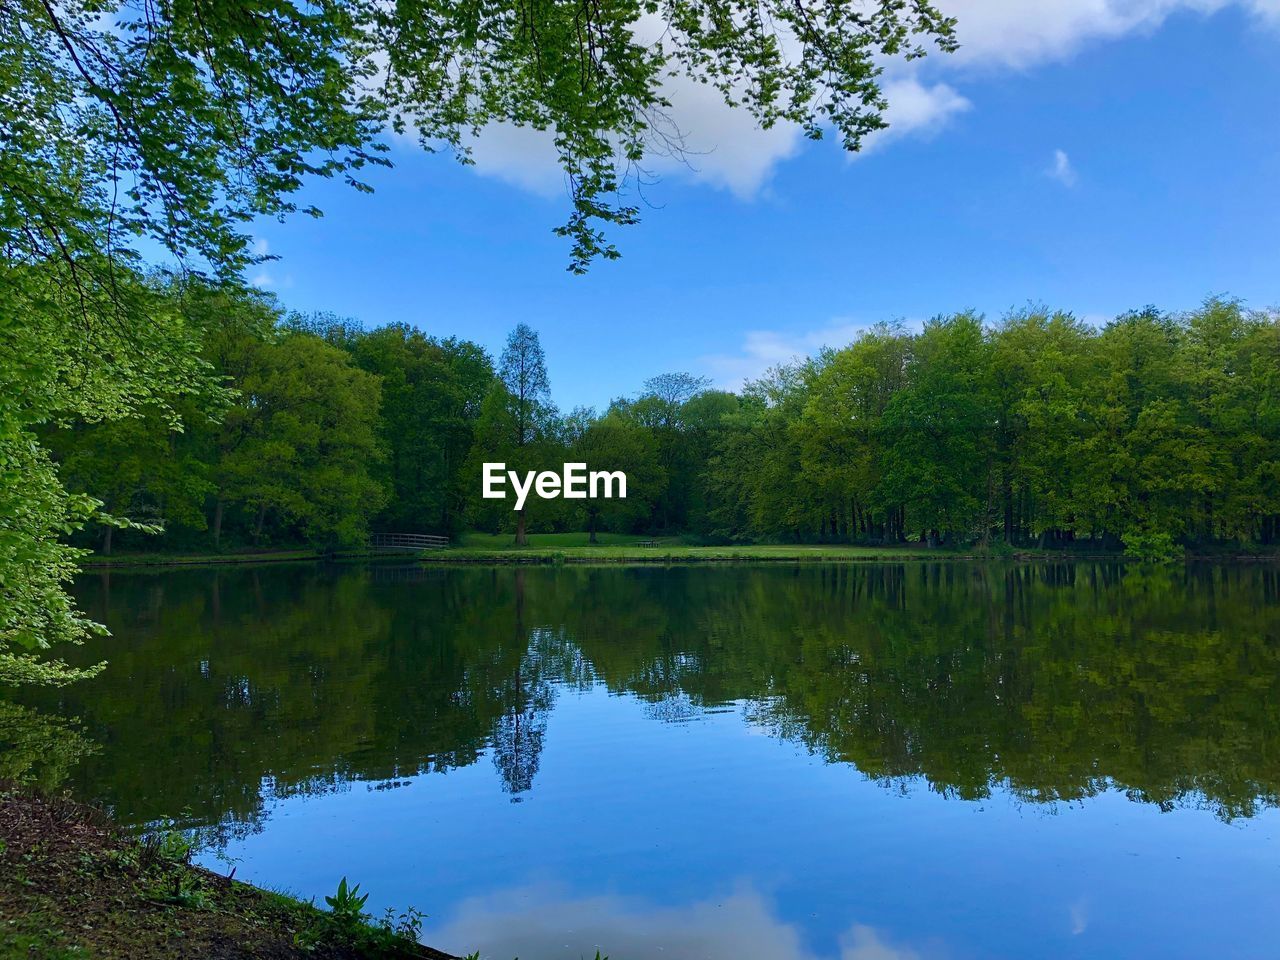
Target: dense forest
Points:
x,y
1152,431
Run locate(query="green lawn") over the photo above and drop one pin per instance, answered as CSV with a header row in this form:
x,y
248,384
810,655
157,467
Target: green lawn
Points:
x,y
549,541
126,559
614,547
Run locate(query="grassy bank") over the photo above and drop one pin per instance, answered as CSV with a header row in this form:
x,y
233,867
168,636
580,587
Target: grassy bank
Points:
x,y
633,548
623,548
204,559
73,885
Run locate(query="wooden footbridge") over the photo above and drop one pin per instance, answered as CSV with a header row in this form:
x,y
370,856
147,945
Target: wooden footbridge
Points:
x,y
407,541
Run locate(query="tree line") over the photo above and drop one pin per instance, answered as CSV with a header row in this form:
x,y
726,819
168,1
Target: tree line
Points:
x,y
1153,431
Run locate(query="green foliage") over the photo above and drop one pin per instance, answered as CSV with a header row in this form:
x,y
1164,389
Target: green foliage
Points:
x,y
616,442
1038,431
37,749
347,923
432,391
936,430
164,844
346,906
517,425
301,443
181,890
1149,547
292,454
69,354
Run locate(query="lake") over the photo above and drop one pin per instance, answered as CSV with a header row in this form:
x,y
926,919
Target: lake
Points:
x,y
773,762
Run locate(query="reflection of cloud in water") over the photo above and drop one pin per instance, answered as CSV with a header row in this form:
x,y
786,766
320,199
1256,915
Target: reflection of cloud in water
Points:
x,y
1079,917
541,923
863,943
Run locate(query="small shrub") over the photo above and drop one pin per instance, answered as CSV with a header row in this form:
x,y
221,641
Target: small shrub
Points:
x,y
164,846
996,549
182,890
348,923
1151,546
346,907
408,925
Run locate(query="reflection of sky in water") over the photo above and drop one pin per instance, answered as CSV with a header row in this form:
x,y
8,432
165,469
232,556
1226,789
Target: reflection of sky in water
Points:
x,y
701,839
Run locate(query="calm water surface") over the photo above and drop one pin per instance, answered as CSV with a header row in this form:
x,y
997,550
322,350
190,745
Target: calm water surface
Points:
x,y
871,762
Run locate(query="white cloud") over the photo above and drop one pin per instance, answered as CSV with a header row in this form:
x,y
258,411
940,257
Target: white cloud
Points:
x,y
1015,33
265,278
262,278
762,349
864,943
1061,169
722,147
915,108
521,156
726,150
1079,914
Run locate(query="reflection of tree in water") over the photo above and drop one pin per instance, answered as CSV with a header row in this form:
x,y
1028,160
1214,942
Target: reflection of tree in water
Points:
x,y
528,696
39,749
229,689
518,734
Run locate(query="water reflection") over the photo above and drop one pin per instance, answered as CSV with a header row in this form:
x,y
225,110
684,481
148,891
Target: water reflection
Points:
x,y
39,749
549,923
230,688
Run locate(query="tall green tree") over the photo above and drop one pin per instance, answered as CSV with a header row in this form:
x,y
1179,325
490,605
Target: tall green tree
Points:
x,y
939,449
432,390
1043,366
840,433
520,421
661,407
615,442
298,447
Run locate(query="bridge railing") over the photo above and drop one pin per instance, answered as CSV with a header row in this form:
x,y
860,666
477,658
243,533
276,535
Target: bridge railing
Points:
x,y
407,541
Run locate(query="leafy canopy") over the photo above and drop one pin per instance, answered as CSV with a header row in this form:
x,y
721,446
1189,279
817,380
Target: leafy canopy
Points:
x,y
184,120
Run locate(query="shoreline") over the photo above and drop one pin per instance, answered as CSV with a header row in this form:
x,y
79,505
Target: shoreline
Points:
x,y
548,558
631,554
98,561
646,556
74,883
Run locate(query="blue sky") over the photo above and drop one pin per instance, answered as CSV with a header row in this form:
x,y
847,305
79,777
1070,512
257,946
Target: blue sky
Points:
x,y
1092,155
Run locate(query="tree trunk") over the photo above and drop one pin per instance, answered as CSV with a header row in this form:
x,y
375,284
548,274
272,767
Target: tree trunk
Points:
x,y
591,526
217,524
520,537
257,526
1006,494
107,531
